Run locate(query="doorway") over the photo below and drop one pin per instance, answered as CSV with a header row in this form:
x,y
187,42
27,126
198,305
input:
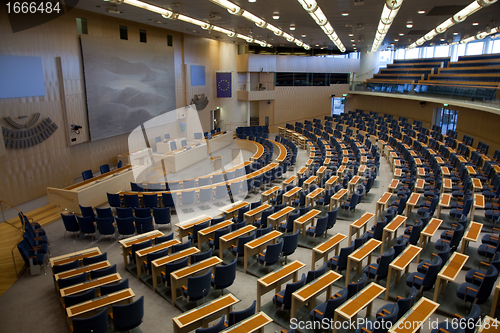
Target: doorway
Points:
x,y
447,119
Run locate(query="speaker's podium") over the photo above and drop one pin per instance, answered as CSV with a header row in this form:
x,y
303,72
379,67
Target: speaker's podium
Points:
x,y
216,162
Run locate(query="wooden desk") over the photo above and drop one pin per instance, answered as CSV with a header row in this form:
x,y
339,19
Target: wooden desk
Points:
x,y
80,270
494,305
419,313
202,315
471,170
305,219
489,325
280,215
321,172
363,299
309,181
253,214
412,201
155,248
265,196
257,246
471,234
186,227
180,277
478,203
308,293
449,272
313,196
362,168
127,243
393,185
121,296
337,198
477,185
87,285
330,182
462,159
443,202
397,164
381,204
322,250
361,253
362,222
70,257
421,172
275,279
290,195
229,239
447,184
289,181
428,232
327,160
302,171
158,264
254,323
419,185
231,209
401,263
205,234
353,184
418,162
392,228
445,171
345,160
439,160
340,171
398,173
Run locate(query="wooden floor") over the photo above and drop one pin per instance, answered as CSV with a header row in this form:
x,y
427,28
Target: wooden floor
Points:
x,y
11,232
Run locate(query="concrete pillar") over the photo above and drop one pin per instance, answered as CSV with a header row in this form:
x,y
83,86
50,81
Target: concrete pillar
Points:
x,y
368,65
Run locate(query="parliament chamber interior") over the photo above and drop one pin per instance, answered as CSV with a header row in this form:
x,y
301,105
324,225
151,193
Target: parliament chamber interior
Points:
x,y
250,166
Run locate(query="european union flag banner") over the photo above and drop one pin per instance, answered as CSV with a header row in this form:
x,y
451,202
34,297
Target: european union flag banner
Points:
x,y
223,85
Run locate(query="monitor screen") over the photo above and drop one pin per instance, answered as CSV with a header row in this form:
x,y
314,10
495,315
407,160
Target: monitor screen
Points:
x,y
197,136
173,145
184,143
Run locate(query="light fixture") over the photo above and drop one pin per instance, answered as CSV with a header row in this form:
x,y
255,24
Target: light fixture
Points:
x,y
276,31
350,35
345,14
396,39
475,23
136,3
401,34
304,35
442,39
455,33
247,38
317,44
480,35
276,16
191,20
252,0
409,24
292,27
389,12
255,19
344,95
224,31
231,7
421,12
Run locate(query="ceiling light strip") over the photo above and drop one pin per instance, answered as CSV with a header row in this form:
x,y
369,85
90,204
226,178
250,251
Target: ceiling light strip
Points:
x,y
480,35
457,18
237,10
181,17
311,6
389,12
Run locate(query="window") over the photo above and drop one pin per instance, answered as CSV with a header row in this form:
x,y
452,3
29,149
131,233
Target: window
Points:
x,y
400,54
496,46
447,119
81,25
310,79
429,52
411,54
142,36
442,51
474,48
169,40
123,32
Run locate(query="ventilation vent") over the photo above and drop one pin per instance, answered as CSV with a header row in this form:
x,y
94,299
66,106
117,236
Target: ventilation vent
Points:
x,y
417,32
445,10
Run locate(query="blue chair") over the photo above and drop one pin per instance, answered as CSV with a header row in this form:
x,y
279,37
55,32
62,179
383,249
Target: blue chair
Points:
x,y
425,281
444,254
354,287
380,270
214,242
188,198
193,236
97,323
180,247
144,224
201,256
137,247
473,273
129,316
197,287
125,226
87,174
377,230
218,220
465,324
172,267
384,320
314,274
350,204
283,299
206,195
102,272
30,257
271,255
79,298
87,212
142,212
332,219
319,229
404,303
327,310
68,282
112,288
262,221
262,231
162,216
288,225
104,212
131,200
339,263
478,293
166,238
237,316
87,226
215,328
105,226
70,224
290,244
124,212
169,200
224,276
153,256
238,250
150,200
104,168
414,235
98,258
65,267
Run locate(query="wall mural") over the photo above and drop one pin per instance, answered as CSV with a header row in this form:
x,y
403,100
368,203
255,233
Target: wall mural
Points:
x,y
127,83
19,138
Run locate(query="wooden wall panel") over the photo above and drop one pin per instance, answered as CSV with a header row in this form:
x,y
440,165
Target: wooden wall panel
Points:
x,y
316,64
261,63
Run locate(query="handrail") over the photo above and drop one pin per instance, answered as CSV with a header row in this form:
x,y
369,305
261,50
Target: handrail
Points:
x,y
430,83
3,216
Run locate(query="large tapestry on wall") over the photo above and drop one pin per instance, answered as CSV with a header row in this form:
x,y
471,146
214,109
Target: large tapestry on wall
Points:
x,y
126,84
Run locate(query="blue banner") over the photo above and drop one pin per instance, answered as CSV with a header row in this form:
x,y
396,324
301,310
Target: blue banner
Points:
x,y
223,85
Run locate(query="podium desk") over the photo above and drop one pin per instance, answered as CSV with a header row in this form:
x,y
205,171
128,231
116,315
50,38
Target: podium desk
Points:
x,y
359,255
127,243
204,235
323,250
256,246
186,227
401,263
158,264
231,238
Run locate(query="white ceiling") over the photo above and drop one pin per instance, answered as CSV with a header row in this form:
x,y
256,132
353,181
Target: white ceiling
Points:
x,y
291,12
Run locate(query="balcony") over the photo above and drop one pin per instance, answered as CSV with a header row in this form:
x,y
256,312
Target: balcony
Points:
x,y
257,92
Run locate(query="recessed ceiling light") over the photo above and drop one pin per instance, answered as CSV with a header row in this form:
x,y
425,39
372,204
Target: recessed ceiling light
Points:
x,y
396,40
292,27
317,44
276,15
455,33
409,24
304,35
401,34
350,35
345,14
421,12
353,40
475,23
442,39
252,0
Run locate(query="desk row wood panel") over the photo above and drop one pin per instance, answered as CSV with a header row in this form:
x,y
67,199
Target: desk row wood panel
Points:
x,y
70,257
100,302
87,285
80,270
231,238
419,313
255,246
449,272
359,255
139,255
184,228
322,250
362,222
301,222
471,234
204,235
158,264
280,215
401,263
128,242
254,323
